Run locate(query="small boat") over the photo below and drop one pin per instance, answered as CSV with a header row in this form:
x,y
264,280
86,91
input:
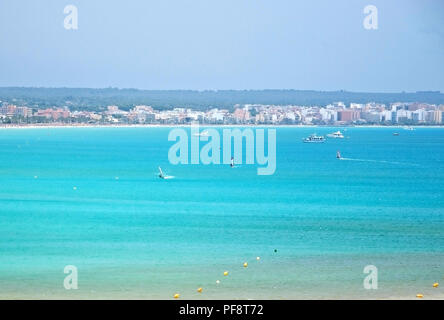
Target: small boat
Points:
x,y
338,155
395,133
201,134
314,139
409,128
161,175
336,135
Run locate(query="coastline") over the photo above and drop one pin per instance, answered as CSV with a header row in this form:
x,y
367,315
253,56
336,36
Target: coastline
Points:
x,y
56,126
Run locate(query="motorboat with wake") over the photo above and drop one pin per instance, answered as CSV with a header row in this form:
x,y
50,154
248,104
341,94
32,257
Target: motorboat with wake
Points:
x,y
314,139
336,135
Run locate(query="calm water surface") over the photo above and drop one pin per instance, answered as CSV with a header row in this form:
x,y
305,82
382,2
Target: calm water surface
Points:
x,y
90,197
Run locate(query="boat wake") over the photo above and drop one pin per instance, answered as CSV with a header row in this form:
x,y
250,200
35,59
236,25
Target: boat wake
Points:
x,y
379,161
161,175
164,177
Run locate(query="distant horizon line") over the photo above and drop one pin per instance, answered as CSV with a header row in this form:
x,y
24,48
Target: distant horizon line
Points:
x,y
216,90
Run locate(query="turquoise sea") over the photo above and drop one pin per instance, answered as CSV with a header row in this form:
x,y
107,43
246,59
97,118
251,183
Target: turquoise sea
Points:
x,y
90,197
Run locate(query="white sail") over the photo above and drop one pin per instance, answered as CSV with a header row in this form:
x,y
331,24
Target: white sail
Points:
x,y
161,175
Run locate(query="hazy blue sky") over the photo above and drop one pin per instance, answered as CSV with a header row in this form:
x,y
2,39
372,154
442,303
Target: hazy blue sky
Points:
x,y
229,44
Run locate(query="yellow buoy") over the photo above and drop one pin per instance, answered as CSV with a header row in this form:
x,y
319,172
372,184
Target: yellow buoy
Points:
x,y
199,290
226,273
419,295
245,264
435,285
176,296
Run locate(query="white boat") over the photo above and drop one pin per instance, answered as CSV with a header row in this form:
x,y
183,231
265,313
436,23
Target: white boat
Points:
x,y
409,128
202,134
161,175
336,135
314,139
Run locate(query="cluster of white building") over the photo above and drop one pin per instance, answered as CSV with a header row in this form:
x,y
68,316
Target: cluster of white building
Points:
x,y
336,113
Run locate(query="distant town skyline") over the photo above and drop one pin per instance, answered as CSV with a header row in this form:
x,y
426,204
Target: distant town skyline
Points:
x,y
201,45
337,113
